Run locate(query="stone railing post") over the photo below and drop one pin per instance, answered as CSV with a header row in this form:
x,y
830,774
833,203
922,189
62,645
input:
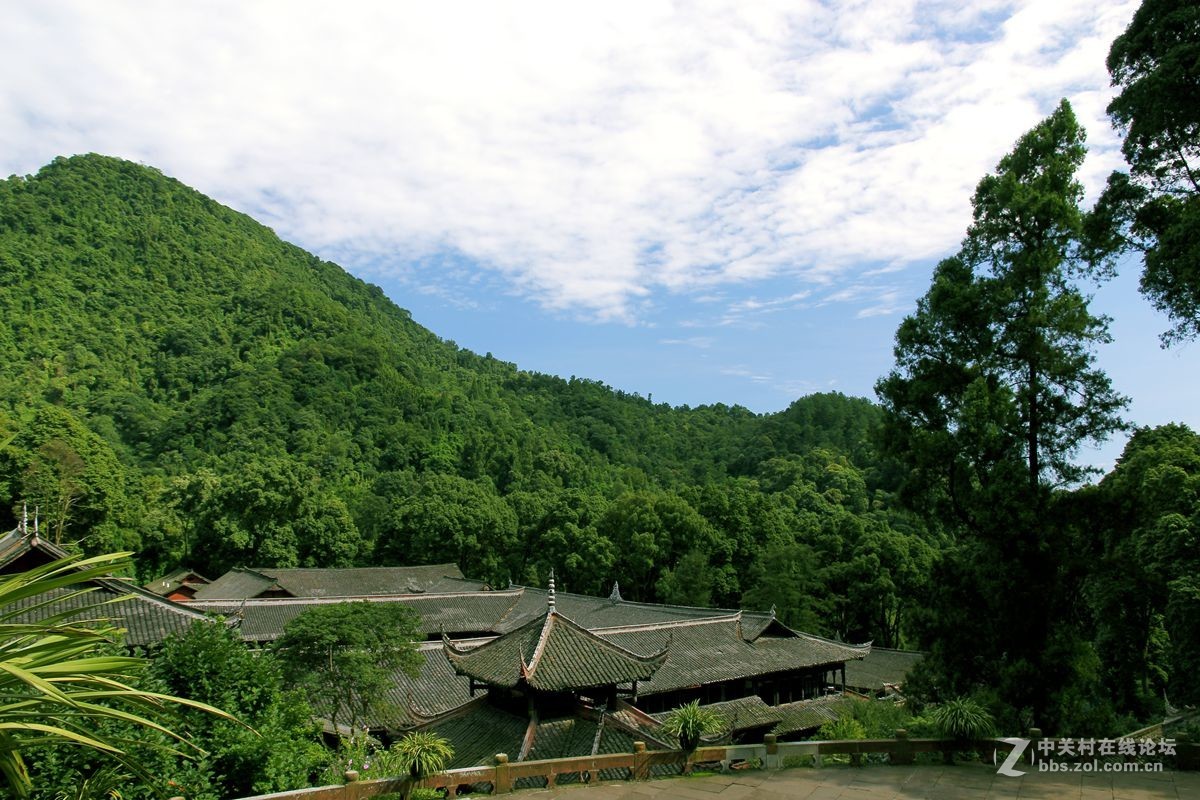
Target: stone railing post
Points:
x,y
352,790
902,754
772,760
641,762
503,783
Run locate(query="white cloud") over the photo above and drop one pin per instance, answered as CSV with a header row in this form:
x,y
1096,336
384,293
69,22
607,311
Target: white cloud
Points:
x,y
697,342
589,155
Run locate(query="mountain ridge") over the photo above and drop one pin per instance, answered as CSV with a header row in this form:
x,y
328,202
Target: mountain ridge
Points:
x,y
178,380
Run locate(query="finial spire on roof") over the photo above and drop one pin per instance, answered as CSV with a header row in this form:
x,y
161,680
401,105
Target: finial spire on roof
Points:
x,y
550,593
615,595
772,611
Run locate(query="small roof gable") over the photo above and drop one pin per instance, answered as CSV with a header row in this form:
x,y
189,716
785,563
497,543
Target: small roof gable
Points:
x,y
172,581
237,584
21,550
552,654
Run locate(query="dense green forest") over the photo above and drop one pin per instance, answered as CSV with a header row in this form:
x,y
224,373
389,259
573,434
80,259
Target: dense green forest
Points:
x,y
178,381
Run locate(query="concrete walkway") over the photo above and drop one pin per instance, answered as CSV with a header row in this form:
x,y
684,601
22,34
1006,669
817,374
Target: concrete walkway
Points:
x,y
958,782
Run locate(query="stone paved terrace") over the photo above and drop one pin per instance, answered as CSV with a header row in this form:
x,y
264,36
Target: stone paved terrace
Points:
x,y
931,782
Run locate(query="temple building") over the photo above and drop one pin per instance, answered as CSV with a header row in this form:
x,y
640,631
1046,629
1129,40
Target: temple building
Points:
x,y
552,688
527,671
537,673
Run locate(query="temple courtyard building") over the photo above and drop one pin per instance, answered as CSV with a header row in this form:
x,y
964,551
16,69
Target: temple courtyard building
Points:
x,y
532,672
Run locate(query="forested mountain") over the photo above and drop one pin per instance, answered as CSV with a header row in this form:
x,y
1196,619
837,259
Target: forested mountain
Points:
x,y
176,380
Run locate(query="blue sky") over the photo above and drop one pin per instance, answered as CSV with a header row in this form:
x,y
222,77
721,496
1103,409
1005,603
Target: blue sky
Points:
x,y
703,202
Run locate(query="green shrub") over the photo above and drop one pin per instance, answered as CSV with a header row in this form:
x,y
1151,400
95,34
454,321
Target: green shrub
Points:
x,y
691,721
963,719
880,718
364,755
421,754
844,727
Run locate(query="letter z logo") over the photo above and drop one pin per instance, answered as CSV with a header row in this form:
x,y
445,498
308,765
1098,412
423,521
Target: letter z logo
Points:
x,y
1019,746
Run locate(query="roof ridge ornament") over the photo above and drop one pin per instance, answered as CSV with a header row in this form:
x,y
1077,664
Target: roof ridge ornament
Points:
x,y
550,591
615,595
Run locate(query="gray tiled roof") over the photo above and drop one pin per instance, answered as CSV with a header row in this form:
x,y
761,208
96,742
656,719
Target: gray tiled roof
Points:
x,y
603,612
881,666
553,654
740,714
642,726
237,584
411,702
435,691
714,650
146,618
480,733
473,613
808,715
242,583
563,738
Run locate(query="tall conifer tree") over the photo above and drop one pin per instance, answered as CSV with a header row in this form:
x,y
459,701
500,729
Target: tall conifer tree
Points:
x,y
994,390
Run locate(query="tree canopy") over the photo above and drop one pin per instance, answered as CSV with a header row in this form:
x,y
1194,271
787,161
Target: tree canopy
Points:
x,y
345,657
1155,65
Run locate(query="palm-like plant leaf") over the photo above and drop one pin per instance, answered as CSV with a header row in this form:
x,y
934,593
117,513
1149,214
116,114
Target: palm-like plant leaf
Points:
x,y
962,718
690,721
56,682
422,753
